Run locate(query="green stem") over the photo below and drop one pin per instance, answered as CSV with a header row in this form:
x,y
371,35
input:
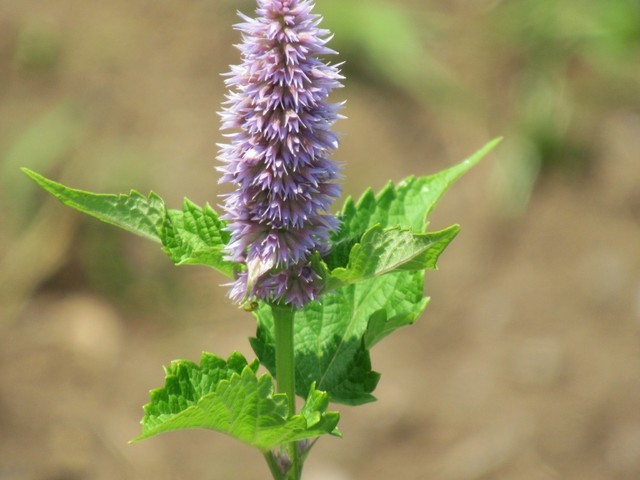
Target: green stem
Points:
x,y
285,368
286,374
273,466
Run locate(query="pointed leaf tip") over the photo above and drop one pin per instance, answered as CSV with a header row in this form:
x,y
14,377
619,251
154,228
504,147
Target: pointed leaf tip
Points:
x,y
132,212
480,154
191,236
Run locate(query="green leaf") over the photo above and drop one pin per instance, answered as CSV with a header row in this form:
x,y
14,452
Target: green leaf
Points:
x,y
191,236
330,347
134,212
333,337
230,398
196,236
408,204
380,252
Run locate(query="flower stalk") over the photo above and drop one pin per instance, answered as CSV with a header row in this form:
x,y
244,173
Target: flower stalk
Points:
x,y
285,360
285,374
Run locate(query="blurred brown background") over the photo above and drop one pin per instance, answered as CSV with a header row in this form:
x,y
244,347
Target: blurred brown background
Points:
x,y
526,365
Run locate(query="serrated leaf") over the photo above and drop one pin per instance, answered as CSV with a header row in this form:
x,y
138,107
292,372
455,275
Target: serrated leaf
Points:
x,y
191,236
333,337
230,398
134,212
196,236
392,250
407,205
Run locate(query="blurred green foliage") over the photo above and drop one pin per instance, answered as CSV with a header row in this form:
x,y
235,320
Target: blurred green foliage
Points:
x,y
29,228
383,44
38,47
571,62
560,64
42,144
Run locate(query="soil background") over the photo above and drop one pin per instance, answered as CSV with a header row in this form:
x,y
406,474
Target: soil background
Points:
x,y
526,364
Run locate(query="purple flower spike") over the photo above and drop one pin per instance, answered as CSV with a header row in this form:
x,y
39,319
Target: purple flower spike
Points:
x,y
281,120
